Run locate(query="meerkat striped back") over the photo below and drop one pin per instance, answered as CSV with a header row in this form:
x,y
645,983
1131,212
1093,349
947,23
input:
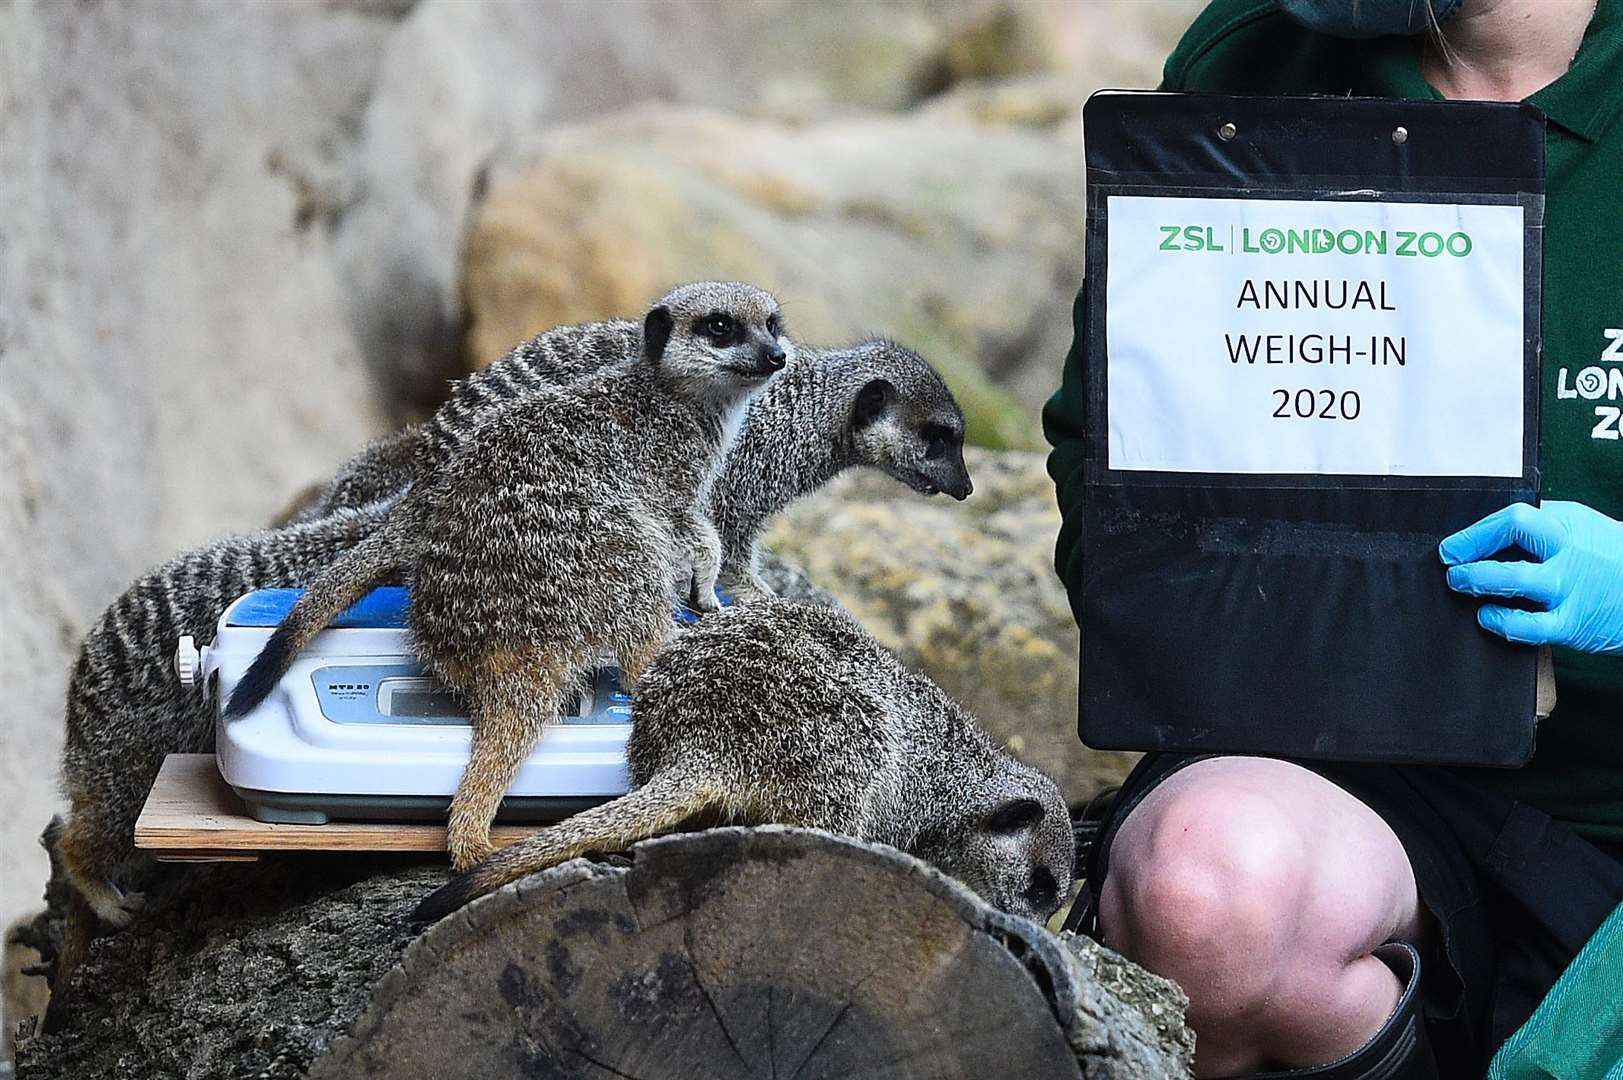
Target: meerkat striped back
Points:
x,y
559,355
387,466
127,710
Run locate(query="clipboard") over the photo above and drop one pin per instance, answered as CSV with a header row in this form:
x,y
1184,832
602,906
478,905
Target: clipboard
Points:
x,y
1312,352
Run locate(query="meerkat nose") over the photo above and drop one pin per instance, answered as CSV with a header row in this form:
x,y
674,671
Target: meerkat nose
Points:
x,y
775,356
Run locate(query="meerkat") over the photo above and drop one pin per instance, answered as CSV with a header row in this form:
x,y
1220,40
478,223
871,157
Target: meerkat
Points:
x,y
545,533
126,710
776,712
876,404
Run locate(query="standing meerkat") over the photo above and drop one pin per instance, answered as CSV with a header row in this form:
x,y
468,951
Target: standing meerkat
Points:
x,y
875,404
542,534
126,710
775,712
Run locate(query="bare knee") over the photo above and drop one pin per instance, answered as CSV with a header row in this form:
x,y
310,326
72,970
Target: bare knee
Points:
x,y
1200,888
1260,888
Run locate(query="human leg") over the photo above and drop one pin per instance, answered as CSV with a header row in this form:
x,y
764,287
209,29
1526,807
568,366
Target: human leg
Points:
x,y
1263,889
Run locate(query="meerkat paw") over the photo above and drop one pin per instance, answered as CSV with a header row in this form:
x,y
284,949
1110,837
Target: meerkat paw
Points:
x,y
118,911
743,587
468,852
702,599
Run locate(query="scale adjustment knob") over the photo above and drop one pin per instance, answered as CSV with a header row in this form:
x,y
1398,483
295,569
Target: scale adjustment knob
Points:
x,y
188,661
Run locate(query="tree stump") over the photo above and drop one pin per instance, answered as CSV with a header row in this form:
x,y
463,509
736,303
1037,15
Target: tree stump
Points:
x,y
768,952
730,954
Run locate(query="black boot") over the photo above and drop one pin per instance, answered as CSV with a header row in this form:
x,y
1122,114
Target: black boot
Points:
x,y
1088,826
1400,1050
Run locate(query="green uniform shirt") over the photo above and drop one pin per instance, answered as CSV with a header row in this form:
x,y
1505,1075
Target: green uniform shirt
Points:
x,y
1250,47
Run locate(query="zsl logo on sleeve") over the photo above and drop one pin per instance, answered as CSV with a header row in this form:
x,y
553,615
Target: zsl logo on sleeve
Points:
x,y
1595,382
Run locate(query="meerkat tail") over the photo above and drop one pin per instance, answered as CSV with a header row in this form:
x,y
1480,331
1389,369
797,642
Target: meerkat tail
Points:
x,y
78,928
336,588
659,806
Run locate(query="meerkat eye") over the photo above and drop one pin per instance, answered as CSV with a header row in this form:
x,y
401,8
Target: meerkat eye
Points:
x,y
774,325
937,439
719,327
1017,815
1044,889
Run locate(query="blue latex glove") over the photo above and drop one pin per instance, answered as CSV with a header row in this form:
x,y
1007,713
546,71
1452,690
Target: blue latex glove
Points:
x,y
1578,578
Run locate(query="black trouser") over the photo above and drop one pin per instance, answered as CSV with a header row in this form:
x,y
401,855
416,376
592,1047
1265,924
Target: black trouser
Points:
x,y
1514,894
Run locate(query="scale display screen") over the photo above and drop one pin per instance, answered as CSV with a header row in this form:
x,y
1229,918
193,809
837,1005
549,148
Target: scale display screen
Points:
x,y
419,697
402,694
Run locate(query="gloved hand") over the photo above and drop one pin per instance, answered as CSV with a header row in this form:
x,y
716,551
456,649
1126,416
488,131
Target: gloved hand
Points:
x,y
1578,577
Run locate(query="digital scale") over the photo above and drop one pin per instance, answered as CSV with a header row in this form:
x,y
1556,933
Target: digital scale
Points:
x,y
357,729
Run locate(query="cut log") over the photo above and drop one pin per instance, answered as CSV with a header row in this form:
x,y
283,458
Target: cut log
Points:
x,y
766,952
730,954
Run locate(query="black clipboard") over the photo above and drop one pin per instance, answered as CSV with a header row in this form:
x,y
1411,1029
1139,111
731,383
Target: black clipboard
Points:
x,y
1298,614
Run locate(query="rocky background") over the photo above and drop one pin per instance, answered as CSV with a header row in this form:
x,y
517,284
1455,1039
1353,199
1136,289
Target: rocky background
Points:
x,y
239,239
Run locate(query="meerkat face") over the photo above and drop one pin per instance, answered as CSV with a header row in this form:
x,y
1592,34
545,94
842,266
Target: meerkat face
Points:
x,y
716,340
1014,845
906,423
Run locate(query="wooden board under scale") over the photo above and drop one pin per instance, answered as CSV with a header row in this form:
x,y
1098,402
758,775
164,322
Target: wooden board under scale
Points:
x,y
192,815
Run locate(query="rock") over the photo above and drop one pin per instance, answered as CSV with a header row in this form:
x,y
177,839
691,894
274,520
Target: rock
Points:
x,y
1140,1015
236,970
176,351
460,83
860,225
1046,102
1001,42
965,593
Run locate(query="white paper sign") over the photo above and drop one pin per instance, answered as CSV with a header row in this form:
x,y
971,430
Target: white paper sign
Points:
x,y
1264,336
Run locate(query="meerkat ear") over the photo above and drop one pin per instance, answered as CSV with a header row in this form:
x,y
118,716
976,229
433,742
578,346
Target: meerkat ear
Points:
x,y
656,332
872,400
1015,815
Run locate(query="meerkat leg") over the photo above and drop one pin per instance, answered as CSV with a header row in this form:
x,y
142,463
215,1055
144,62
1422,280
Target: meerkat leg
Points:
x,y
703,548
752,582
638,650
89,856
510,707
78,930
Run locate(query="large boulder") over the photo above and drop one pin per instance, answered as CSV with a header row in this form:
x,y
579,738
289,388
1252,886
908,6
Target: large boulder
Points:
x,y
965,593
963,241
461,84
954,225
175,349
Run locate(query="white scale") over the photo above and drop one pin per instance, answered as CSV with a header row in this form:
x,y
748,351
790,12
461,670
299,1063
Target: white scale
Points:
x,y
357,729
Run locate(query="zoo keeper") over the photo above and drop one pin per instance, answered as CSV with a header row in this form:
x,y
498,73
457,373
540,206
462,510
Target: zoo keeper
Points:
x,y
1268,888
